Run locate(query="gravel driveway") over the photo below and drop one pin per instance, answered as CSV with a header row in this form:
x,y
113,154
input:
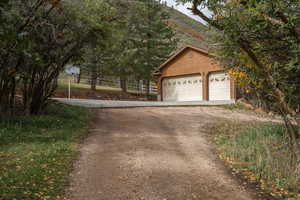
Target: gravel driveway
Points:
x,y
154,154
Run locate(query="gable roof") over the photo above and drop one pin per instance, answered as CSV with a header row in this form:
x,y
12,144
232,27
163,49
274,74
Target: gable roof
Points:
x,y
179,53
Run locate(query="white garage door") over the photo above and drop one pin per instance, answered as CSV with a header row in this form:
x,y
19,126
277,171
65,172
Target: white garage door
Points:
x,y
219,86
188,88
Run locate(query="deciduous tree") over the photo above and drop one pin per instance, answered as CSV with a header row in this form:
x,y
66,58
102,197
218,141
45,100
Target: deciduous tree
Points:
x,y
38,38
260,39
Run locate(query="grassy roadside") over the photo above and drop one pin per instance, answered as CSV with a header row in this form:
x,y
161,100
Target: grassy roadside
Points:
x,y
36,152
259,153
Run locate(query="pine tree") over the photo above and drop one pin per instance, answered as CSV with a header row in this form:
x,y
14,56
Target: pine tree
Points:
x,y
153,39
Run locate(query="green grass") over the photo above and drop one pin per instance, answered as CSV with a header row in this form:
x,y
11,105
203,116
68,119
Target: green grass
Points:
x,y
36,152
261,151
81,87
63,85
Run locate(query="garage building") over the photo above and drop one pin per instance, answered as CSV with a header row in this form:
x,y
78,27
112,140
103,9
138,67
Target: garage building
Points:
x,y
192,75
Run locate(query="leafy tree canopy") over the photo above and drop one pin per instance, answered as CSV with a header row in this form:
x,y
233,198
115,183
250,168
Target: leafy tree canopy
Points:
x,y
259,41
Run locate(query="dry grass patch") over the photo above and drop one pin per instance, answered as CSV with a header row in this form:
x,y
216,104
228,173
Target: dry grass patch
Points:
x,y
261,153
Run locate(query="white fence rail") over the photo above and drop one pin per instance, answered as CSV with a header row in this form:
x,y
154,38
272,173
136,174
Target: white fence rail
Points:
x,y
114,82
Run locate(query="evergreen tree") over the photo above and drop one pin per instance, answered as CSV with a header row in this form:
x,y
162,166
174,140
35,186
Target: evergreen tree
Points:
x,y
153,40
142,41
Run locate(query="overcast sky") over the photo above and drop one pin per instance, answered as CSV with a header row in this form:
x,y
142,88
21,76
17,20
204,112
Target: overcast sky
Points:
x,y
183,9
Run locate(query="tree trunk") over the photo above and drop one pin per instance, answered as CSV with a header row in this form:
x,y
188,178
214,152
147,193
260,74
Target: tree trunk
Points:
x,y
292,134
138,87
93,79
7,95
12,96
79,77
147,82
123,84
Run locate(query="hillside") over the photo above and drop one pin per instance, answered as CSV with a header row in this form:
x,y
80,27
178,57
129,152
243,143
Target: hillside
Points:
x,y
189,31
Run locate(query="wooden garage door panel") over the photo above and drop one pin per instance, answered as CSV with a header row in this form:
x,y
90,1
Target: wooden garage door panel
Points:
x,y
219,86
188,88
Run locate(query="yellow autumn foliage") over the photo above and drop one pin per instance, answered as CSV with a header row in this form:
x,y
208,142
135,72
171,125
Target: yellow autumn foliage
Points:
x,y
237,75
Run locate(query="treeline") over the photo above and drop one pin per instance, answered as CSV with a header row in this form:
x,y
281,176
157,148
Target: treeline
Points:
x,y
38,38
259,43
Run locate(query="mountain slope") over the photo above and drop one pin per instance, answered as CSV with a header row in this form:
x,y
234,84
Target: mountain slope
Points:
x,y
189,31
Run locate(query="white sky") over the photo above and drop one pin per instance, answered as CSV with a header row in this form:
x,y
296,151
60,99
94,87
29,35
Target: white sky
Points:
x,y
183,9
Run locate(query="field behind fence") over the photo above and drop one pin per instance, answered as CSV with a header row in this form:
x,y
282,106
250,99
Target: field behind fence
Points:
x,y
108,83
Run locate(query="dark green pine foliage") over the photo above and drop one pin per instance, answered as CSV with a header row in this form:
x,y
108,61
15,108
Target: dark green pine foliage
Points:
x,y
154,40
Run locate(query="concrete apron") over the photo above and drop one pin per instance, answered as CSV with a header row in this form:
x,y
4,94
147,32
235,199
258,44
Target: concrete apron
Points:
x,y
89,103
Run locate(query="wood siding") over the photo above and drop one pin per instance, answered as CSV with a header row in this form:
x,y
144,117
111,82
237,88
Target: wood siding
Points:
x,y
191,61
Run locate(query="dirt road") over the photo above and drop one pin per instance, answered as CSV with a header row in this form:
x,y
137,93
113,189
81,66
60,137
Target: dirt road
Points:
x,y
154,154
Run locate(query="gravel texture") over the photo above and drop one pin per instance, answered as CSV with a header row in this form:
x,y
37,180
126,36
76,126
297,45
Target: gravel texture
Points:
x,y
154,154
